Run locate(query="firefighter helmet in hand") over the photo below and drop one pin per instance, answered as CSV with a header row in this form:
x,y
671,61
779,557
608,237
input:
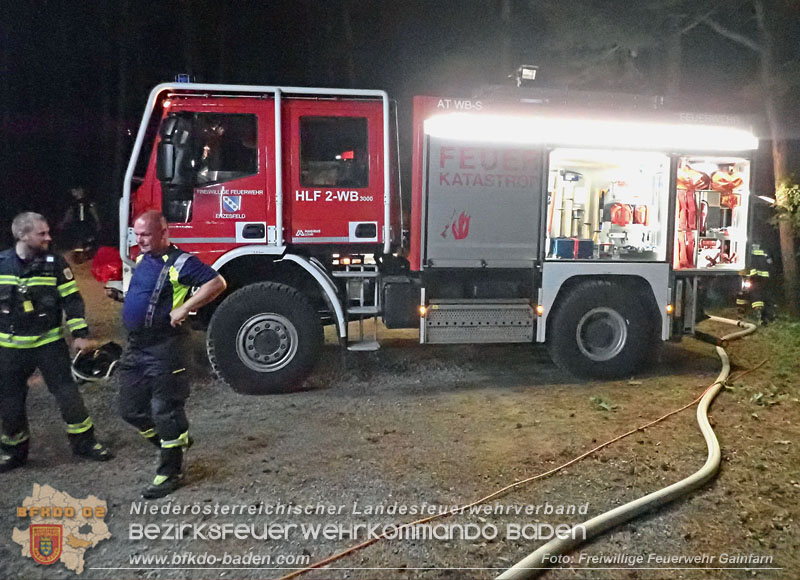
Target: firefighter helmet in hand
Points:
x,y
96,365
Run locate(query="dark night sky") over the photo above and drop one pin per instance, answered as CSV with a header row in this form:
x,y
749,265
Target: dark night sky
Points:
x,y
75,75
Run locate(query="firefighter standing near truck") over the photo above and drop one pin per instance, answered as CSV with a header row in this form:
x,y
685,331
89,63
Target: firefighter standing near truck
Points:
x,y
154,386
37,288
756,296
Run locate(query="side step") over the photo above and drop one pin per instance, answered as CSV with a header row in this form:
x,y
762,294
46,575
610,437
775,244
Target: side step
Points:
x,y
354,274
362,310
461,321
364,346
362,305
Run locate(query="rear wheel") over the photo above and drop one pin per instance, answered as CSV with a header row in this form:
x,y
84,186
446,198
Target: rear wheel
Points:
x,y
264,338
601,329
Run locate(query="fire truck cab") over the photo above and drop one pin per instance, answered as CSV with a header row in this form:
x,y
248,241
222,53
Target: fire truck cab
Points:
x,y
531,220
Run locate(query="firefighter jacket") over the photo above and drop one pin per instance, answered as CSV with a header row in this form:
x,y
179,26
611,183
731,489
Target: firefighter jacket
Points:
x,y
34,296
760,263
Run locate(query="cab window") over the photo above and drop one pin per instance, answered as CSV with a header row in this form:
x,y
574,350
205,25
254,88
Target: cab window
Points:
x,y
199,149
333,152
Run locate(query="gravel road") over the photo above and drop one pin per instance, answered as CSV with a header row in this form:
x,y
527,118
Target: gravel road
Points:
x,y
374,438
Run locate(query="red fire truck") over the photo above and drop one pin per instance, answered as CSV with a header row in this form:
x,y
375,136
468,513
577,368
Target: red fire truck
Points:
x,y
535,217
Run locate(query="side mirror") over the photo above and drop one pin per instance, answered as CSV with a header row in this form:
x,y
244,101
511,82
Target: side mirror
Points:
x,y
165,161
168,128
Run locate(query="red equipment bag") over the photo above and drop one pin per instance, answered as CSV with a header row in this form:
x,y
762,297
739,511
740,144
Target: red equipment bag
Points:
x,y
687,210
726,182
729,200
692,179
640,215
107,265
621,214
685,250
703,217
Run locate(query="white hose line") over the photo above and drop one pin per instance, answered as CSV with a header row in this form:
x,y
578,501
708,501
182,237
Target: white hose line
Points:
x,y
535,563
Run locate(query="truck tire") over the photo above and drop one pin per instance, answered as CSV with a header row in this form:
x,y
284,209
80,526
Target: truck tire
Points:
x,y
264,338
600,329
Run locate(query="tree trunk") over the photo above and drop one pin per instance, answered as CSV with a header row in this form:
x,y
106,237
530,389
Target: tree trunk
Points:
x,y
785,230
789,266
769,83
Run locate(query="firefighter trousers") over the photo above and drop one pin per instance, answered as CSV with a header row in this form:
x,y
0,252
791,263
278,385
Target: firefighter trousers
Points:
x,y
757,300
154,388
18,364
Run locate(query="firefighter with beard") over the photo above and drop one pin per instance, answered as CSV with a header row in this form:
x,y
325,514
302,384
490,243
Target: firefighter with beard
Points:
x,y
36,289
153,381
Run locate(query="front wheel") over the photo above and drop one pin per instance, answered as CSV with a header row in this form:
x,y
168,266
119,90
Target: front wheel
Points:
x,y
601,329
264,338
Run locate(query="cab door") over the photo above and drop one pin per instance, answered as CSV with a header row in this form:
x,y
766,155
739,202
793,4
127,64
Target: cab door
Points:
x,y
333,172
217,196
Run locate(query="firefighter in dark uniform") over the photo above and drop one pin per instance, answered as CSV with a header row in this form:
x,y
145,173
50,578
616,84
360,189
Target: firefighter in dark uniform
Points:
x,y
36,289
154,386
81,223
756,295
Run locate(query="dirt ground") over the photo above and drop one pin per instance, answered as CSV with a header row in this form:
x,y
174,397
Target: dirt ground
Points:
x,y
418,426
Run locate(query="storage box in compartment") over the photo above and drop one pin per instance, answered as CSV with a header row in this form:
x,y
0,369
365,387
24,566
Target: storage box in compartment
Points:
x,y
572,248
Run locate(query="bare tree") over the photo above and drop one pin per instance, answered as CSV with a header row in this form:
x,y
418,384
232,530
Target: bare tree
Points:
x,y
774,84
596,43
606,50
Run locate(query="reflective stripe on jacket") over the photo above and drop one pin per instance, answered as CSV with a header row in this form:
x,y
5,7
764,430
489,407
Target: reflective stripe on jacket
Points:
x,y
34,296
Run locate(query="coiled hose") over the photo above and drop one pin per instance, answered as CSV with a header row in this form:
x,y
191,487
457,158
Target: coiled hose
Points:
x,y
534,564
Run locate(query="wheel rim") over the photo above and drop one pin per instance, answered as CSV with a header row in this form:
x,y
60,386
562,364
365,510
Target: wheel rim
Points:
x,y
266,342
601,334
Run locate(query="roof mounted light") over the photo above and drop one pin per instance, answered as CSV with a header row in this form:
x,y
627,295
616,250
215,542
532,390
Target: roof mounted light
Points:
x,y
183,78
527,129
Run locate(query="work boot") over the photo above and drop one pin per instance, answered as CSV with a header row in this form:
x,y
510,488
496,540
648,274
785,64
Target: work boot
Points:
x,y
9,462
162,486
13,456
85,445
156,440
168,475
96,452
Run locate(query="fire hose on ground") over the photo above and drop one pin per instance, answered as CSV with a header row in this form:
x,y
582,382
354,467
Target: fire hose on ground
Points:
x,y
534,564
